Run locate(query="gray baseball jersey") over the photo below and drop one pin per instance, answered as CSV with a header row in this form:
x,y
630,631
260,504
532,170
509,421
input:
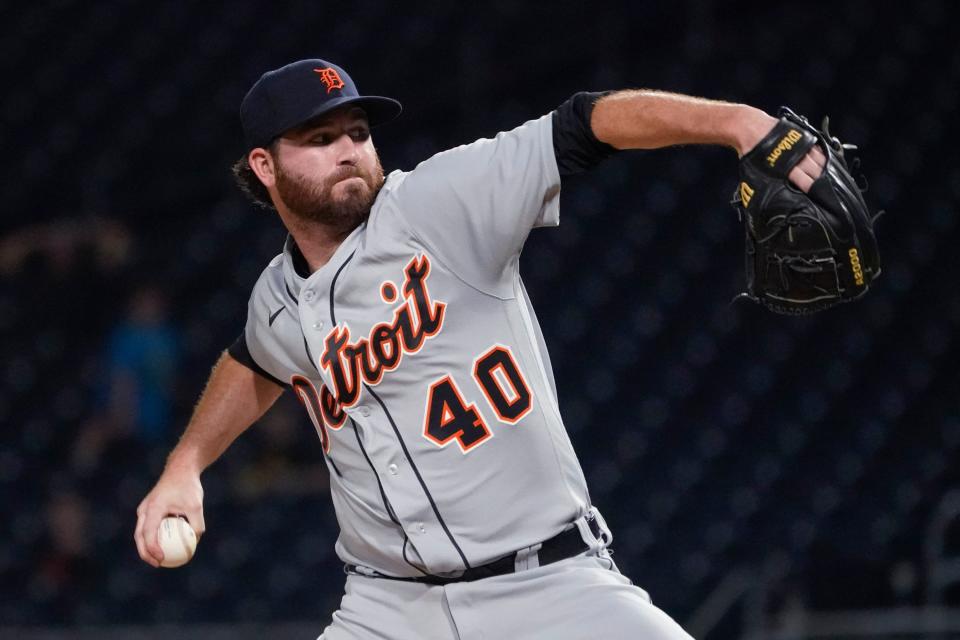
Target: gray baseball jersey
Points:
x,y
419,359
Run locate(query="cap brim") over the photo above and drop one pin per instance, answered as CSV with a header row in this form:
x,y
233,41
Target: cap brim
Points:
x,y
380,110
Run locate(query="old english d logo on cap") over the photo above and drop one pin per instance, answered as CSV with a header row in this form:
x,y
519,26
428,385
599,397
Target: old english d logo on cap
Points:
x,y
330,78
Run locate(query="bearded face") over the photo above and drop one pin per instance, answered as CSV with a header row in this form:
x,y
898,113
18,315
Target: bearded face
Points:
x,y
341,200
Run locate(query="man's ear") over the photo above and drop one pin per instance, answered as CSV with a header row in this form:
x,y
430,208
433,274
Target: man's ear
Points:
x,y
261,163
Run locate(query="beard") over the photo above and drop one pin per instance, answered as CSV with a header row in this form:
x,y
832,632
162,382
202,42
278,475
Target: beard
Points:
x,y
313,201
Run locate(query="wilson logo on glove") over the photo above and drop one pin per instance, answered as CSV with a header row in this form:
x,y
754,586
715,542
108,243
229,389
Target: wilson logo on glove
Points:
x,y
786,143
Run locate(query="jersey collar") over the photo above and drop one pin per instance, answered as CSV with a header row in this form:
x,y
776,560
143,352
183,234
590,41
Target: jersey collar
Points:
x,y
294,264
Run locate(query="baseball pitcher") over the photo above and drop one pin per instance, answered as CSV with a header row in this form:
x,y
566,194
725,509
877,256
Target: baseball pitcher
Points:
x,y
397,316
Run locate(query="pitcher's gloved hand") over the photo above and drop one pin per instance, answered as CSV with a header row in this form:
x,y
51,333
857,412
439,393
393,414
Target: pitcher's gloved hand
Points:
x,y
804,251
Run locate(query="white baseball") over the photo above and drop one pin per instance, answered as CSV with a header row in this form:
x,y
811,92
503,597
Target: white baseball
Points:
x,y
178,541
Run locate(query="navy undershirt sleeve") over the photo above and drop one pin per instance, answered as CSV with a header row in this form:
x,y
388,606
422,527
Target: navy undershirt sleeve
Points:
x,y
239,352
574,143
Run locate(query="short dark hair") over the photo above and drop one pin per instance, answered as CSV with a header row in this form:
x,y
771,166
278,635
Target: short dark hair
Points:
x,y
248,181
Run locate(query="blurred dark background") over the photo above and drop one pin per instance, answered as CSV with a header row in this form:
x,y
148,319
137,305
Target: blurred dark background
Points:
x,y
724,444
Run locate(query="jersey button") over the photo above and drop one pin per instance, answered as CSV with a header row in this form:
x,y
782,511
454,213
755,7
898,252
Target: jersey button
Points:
x,y
308,295
421,528
365,411
393,469
318,325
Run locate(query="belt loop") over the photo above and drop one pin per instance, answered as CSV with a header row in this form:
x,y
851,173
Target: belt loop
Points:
x,y
527,558
355,569
593,541
606,536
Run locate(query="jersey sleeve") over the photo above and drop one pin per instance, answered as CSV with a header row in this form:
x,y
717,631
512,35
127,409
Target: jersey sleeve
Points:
x,y
473,206
240,352
262,347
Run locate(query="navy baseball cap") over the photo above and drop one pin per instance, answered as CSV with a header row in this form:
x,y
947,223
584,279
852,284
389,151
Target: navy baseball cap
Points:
x,y
300,91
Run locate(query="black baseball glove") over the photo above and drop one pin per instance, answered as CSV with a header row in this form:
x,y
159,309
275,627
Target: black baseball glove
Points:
x,y
804,251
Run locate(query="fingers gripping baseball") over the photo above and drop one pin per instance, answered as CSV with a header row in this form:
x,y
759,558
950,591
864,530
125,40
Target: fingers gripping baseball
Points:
x,y
176,493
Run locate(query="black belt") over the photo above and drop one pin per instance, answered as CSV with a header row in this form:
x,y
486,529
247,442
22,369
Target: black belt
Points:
x,y
564,545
